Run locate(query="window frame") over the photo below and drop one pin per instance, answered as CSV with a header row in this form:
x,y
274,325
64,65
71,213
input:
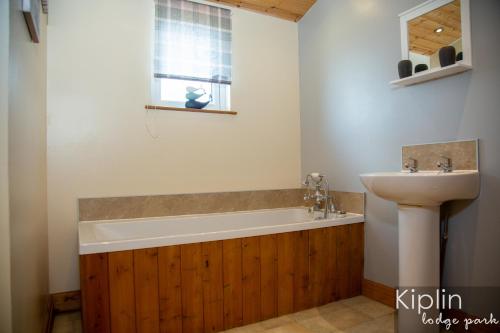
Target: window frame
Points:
x,y
220,102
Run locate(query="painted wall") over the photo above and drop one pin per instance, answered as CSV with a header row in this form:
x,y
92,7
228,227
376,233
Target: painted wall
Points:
x,y
98,58
5,300
27,174
352,122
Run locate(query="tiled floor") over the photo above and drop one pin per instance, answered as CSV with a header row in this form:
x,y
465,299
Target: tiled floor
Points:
x,y
358,314
70,322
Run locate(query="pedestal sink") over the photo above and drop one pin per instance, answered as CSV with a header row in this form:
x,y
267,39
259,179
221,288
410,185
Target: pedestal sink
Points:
x,y
419,196
423,188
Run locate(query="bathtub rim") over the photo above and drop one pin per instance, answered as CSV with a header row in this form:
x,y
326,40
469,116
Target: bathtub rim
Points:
x,y
171,217
161,241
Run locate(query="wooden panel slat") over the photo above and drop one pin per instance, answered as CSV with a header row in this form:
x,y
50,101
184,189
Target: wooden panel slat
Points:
x,y
169,274
213,296
251,279
147,308
285,272
192,288
318,256
343,284
330,261
269,276
95,292
301,294
356,244
121,291
232,275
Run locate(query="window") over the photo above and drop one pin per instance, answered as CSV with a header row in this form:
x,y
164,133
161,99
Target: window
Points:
x,y
192,51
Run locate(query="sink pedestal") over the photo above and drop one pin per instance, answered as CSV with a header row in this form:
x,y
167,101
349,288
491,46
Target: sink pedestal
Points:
x,y
418,246
419,196
419,255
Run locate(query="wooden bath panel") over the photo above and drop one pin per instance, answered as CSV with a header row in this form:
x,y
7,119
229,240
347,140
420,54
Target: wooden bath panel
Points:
x,y
212,286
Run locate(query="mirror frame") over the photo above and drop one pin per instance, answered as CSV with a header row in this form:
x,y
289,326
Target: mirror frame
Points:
x,y
430,6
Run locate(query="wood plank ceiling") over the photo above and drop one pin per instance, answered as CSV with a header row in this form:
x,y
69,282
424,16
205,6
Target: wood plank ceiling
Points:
x,y
422,30
292,10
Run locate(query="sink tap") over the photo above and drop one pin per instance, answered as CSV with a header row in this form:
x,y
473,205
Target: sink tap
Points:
x,y
444,164
411,165
321,195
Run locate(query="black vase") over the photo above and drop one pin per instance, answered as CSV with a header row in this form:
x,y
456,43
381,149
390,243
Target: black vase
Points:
x,y
460,56
421,67
447,56
404,68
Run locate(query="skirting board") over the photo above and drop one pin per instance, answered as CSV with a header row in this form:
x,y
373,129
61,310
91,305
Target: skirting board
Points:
x,y
67,301
379,292
49,316
58,303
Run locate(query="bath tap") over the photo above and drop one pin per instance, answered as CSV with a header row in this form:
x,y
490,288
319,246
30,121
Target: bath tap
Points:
x,y
321,194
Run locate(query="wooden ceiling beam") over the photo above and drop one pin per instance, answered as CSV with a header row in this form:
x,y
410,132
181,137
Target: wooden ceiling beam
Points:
x,y
441,20
291,10
421,30
421,51
430,23
443,37
430,27
428,44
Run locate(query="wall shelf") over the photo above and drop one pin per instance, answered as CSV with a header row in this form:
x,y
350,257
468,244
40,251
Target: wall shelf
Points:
x,y
432,74
420,13
170,108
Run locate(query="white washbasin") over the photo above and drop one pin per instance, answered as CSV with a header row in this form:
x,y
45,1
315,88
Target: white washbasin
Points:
x,y
423,188
419,196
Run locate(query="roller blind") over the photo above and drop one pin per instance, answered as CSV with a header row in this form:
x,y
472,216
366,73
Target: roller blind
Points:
x,y
192,41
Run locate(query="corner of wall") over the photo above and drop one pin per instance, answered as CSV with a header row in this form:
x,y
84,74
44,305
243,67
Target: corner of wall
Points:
x,y
5,284
26,159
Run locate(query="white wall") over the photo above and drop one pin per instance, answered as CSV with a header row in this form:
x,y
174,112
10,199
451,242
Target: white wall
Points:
x,y
27,174
5,300
354,122
98,57
417,59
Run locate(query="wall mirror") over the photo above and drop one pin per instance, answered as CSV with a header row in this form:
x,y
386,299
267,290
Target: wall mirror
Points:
x,y
426,29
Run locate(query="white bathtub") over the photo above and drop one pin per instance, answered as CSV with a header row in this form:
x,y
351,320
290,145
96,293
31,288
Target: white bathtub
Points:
x,y
129,234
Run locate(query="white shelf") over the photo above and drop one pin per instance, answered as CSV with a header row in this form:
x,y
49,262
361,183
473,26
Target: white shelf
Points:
x,y
432,74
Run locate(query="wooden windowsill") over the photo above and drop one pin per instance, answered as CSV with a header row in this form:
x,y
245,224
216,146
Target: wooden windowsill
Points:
x,y
170,108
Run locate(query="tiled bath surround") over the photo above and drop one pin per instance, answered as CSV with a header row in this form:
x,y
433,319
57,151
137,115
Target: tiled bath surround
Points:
x,y
463,155
91,209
